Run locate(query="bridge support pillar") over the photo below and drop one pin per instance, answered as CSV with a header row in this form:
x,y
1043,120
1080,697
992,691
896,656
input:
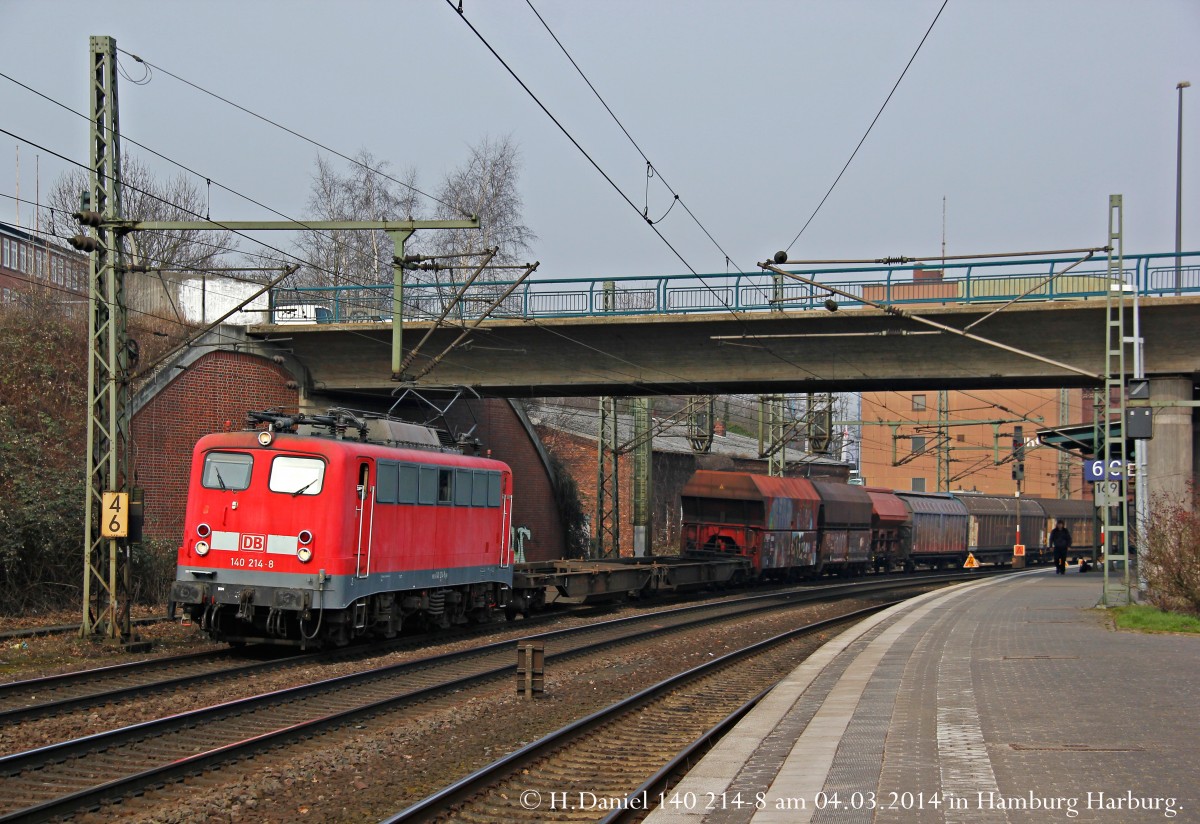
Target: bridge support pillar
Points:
x,y
1171,454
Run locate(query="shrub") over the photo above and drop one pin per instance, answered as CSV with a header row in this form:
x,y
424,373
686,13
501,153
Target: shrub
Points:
x,y
1170,561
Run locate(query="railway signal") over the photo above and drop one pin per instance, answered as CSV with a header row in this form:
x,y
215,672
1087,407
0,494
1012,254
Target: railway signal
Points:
x,y
1018,454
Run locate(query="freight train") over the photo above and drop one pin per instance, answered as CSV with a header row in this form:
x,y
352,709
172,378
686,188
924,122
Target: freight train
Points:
x,y
315,530
364,525
792,528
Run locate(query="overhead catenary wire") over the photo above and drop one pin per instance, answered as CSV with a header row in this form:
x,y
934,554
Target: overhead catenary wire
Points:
x,y
602,172
208,180
293,132
284,253
640,384
563,336
875,120
650,167
292,256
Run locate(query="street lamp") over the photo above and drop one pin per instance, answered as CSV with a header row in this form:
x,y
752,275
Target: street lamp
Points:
x,y
1179,189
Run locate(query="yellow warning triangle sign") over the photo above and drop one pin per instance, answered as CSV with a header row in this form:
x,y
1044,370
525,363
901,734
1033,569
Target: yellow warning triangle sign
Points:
x,y
971,563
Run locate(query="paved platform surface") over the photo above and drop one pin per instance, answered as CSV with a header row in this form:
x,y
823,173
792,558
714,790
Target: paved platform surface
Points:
x,y
1007,700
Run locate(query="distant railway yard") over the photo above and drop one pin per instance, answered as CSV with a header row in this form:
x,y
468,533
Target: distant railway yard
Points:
x,y
256,734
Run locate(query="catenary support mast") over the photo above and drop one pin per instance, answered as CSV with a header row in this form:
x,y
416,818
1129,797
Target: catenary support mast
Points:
x,y
106,575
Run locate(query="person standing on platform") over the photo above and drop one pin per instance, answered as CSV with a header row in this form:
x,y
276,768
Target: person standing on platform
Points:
x,y
1060,542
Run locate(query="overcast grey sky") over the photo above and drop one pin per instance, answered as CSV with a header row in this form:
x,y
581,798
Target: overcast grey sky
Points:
x,y
1023,115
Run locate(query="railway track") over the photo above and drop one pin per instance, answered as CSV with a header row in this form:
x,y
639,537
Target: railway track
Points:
x,y
22,701
63,629
36,697
618,759
82,773
26,700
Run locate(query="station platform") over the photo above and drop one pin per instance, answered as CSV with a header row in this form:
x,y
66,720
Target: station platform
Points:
x,y
1005,700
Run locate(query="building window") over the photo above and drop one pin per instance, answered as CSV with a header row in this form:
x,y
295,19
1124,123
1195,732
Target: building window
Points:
x,y
918,484
918,443
918,403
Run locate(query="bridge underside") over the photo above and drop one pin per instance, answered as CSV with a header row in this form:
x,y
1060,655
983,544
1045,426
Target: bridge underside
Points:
x,y
792,352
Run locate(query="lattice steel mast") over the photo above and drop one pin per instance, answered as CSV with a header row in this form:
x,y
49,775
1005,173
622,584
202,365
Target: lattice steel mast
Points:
x,y
107,569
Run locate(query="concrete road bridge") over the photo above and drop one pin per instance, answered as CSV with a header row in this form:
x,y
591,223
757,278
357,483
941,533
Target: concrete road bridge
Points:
x,y
994,324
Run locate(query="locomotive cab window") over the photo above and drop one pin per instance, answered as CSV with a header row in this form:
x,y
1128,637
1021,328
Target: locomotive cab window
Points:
x,y
297,476
227,470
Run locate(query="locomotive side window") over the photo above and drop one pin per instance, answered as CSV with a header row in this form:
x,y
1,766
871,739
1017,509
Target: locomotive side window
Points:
x,y
479,488
462,487
407,492
297,476
493,489
227,470
429,485
386,482
445,486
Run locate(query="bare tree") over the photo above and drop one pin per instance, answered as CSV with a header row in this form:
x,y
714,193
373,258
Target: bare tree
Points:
x,y
146,197
367,192
486,186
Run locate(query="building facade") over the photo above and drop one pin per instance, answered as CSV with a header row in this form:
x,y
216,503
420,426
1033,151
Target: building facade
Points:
x,y
28,261
931,441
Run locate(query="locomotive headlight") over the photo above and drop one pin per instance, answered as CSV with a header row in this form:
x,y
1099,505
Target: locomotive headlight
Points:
x,y
201,548
304,553
305,536
203,530
265,437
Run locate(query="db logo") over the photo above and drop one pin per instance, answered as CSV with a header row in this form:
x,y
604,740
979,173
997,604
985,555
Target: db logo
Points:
x,y
253,543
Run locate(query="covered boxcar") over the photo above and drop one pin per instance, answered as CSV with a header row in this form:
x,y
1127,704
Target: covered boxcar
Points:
x,y
992,526
773,521
936,535
889,517
844,521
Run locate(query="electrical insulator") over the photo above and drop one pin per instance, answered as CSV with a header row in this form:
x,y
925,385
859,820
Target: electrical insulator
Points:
x,y
84,243
88,217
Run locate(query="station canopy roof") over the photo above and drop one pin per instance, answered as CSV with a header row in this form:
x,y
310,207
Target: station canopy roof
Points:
x,y
1078,438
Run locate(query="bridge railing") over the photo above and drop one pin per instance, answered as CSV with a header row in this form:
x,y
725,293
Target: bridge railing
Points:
x,y
974,282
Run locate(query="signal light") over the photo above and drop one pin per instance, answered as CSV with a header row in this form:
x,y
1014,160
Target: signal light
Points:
x,y
85,243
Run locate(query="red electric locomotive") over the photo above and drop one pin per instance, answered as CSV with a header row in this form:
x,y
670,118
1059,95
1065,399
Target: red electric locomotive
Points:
x,y
317,538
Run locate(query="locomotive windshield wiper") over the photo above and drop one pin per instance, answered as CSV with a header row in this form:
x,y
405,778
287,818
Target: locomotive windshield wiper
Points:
x,y
220,480
306,486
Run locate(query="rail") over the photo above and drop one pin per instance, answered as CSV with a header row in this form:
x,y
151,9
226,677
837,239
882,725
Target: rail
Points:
x,y
974,282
